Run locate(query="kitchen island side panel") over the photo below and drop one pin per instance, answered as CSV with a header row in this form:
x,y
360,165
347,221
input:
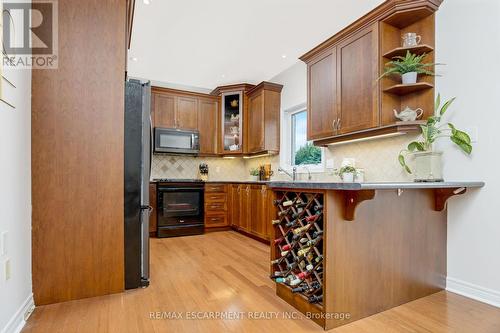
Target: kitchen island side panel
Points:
x,y
393,252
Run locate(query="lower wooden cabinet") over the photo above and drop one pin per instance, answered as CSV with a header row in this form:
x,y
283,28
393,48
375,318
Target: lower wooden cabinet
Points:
x,y
249,209
216,206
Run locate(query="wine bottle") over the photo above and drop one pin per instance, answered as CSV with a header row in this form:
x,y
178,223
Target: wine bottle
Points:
x,y
295,282
318,258
307,288
315,298
292,223
304,240
278,240
284,253
286,247
317,233
313,242
303,275
318,207
303,251
276,275
276,261
274,222
301,229
312,218
287,203
278,201
300,204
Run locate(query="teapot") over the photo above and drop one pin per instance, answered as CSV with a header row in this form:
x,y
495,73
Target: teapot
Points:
x,y
409,114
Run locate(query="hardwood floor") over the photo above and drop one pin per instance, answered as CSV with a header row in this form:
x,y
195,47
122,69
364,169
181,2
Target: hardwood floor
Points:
x,y
228,272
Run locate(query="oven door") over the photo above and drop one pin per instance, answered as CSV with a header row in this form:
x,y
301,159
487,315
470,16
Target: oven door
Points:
x,y
180,206
176,141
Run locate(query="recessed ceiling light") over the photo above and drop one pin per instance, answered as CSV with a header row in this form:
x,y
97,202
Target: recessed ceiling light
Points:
x,y
146,2
223,75
134,59
283,56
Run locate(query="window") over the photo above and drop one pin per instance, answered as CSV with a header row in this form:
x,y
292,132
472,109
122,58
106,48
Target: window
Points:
x,y
297,150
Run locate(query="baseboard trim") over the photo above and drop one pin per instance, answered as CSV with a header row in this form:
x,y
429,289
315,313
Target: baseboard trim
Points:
x,y
17,322
473,291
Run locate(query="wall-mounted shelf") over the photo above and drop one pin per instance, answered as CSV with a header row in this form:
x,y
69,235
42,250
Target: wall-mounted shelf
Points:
x,y
405,89
401,51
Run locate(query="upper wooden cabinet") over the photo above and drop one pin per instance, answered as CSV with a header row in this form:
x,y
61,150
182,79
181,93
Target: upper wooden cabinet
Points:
x,y
357,82
207,118
322,107
263,118
346,99
174,109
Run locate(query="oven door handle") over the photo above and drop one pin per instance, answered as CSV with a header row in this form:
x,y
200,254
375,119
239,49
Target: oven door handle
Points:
x,y
176,189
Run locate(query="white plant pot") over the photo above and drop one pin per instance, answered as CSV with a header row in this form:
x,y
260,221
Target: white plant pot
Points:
x,y
409,78
348,177
428,166
254,178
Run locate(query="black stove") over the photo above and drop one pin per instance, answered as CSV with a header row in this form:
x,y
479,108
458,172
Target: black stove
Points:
x,y
180,207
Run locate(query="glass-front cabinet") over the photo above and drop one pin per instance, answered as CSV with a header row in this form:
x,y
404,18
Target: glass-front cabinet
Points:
x,y
232,122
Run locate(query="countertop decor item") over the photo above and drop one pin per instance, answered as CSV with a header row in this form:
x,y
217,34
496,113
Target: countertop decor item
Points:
x,y
408,67
255,173
427,161
408,114
411,39
346,173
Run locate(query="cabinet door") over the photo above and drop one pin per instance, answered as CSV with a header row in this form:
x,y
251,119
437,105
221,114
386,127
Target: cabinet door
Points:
x,y
164,110
357,68
322,96
257,203
207,117
187,113
235,204
255,123
245,208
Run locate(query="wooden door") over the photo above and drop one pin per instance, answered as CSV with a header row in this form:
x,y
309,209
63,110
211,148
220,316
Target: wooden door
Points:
x,y
187,113
258,204
207,117
255,123
357,70
245,207
164,110
235,202
322,96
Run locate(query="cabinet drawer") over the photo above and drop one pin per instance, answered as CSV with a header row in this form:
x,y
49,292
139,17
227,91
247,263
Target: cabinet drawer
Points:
x,y
216,206
219,220
215,197
210,188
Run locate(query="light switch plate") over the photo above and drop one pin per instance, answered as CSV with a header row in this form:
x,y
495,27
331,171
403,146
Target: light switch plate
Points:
x,y
330,163
3,243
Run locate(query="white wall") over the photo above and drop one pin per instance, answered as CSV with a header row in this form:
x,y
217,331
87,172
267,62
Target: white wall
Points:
x,y
468,42
15,200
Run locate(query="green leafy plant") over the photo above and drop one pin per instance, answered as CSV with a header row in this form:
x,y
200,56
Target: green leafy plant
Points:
x,y
407,64
254,172
345,169
308,154
433,130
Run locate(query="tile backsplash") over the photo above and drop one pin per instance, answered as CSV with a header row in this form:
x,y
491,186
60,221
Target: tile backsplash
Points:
x,y
377,157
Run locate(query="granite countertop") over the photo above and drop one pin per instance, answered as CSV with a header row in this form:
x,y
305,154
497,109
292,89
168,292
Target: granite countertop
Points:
x,y
372,186
322,185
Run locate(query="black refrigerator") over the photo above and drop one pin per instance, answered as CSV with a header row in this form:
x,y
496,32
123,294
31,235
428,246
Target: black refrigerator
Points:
x,y
138,156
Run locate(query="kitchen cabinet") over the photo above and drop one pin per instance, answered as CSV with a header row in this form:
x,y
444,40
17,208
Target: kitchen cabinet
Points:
x,y
153,217
263,118
322,108
216,206
207,118
174,109
249,209
357,81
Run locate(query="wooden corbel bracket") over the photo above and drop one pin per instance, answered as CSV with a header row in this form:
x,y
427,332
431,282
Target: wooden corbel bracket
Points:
x,y
352,199
441,196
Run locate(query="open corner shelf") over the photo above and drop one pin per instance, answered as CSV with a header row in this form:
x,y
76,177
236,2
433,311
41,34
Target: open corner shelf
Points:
x,y
401,51
404,89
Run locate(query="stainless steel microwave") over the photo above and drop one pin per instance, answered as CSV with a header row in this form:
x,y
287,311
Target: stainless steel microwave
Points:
x,y
171,140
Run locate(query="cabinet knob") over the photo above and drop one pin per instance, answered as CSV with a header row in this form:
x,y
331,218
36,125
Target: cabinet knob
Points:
x,y
333,124
338,123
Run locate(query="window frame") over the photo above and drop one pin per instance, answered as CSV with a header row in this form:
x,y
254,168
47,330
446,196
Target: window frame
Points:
x,y
286,143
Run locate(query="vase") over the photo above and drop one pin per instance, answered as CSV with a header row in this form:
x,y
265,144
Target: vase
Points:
x,y
348,177
409,78
428,166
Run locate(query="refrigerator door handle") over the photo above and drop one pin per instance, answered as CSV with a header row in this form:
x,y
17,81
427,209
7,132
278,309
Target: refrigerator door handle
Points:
x,y
151,144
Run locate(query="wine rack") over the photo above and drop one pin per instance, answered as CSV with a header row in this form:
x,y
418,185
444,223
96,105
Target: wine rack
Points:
x,y
297,262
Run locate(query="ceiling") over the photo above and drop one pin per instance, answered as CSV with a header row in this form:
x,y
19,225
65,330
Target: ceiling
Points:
x,y
205,44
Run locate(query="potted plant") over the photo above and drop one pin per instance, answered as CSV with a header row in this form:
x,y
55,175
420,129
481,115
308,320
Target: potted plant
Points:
x,y
408,67
255,173
428,166
346,173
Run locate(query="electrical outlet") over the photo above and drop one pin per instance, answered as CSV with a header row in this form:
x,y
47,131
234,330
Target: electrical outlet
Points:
x,y
3,243
7,270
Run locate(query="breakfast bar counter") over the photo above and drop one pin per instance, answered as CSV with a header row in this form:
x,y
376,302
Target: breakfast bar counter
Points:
x,y
345,251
